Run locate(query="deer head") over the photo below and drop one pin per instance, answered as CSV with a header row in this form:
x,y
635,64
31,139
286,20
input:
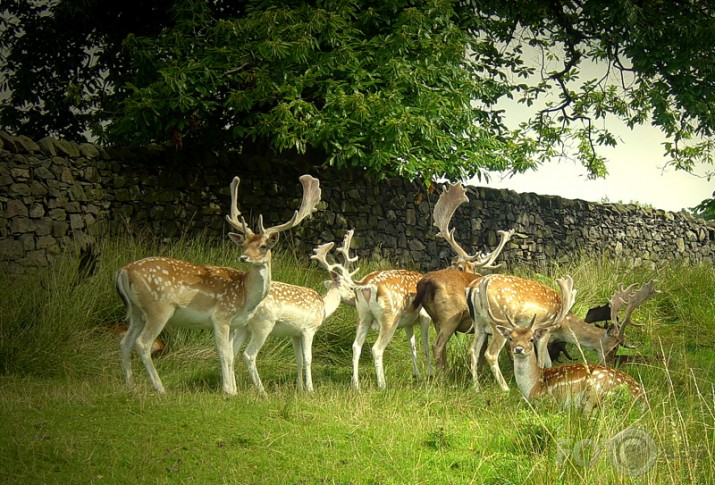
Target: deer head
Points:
x,y
257,246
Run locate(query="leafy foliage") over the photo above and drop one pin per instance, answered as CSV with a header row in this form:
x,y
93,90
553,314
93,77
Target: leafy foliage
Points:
x,y
412,87
706,209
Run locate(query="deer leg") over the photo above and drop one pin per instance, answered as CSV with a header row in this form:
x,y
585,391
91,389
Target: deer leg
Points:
x,y
136,324
410,334
424,332
222,335
492,357
155,320
298,352
259,334
542,351
445,331
480,338
238,338
387,330
307,344
364,322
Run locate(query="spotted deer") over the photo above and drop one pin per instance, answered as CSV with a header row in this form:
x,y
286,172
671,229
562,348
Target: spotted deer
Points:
x,y
383,300
581,385
503,299
442,293
296,312
161,291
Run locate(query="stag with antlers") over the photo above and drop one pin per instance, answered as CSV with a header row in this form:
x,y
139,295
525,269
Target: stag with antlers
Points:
x,y
296,312
160,291
500,299
383,300
442,293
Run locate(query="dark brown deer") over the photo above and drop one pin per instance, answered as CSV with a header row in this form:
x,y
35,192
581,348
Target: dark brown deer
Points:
x,y
443,293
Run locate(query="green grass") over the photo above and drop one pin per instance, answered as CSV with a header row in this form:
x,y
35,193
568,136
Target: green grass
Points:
x,y
68,417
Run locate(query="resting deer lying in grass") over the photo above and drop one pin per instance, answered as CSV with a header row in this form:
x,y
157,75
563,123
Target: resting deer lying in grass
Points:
x,y
296,312
161,291
500,299
583,385
383,300
442,293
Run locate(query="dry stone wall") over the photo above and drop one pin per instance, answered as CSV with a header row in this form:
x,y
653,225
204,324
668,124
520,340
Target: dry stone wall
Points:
x,y
56,194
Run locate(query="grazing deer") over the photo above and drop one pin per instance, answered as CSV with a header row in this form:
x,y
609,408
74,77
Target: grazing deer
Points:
x,y
296,312
383,300
606,341
442,293
499,299
583,385
160,291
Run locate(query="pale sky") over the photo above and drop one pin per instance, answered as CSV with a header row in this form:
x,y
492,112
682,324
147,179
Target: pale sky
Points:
x,y
636,173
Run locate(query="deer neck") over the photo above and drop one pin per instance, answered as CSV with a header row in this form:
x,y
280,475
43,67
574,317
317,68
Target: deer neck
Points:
x,y
332,300
529,376
585,334
257,284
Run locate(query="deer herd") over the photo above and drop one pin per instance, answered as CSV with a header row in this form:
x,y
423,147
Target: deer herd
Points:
x,y
242,306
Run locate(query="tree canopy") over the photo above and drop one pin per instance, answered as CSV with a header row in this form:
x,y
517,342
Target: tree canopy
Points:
x,y
408,87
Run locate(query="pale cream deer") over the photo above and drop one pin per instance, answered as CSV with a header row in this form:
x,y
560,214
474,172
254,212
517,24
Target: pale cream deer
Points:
x,y
383,300
161,291
295,312
581,385
442,293
499,299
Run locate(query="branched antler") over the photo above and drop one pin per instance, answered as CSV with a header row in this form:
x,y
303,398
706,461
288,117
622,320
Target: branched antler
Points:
x,y
630,299
233,219
311,198
443,212
344,250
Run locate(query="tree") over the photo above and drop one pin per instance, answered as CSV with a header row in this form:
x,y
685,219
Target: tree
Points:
x,y
706,209
407,87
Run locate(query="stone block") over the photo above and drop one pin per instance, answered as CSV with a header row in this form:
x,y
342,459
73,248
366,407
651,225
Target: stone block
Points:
x,y
15,207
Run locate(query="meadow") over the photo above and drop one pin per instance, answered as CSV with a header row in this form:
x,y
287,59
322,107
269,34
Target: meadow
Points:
x,y
67,416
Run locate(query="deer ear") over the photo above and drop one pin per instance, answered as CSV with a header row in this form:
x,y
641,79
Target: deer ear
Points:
x,y
272,239
540,332
505,331
236,237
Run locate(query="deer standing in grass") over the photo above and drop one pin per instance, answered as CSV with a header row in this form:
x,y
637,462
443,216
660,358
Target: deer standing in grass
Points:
x,y
161,291
296,312
504,300
383,300
582,385
442,293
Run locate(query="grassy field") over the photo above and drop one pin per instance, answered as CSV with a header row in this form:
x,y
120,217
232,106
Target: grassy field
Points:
x,y
67,416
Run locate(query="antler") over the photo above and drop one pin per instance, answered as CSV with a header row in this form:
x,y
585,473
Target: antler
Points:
x,y
443,212
321,256
311,197
631,299
239,226
344,250
444,209
568,298
487,260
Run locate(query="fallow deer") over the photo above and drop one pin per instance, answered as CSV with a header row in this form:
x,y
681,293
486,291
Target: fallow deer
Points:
x,y
442,293
583,385
499,299
161,291
383,300
296,312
